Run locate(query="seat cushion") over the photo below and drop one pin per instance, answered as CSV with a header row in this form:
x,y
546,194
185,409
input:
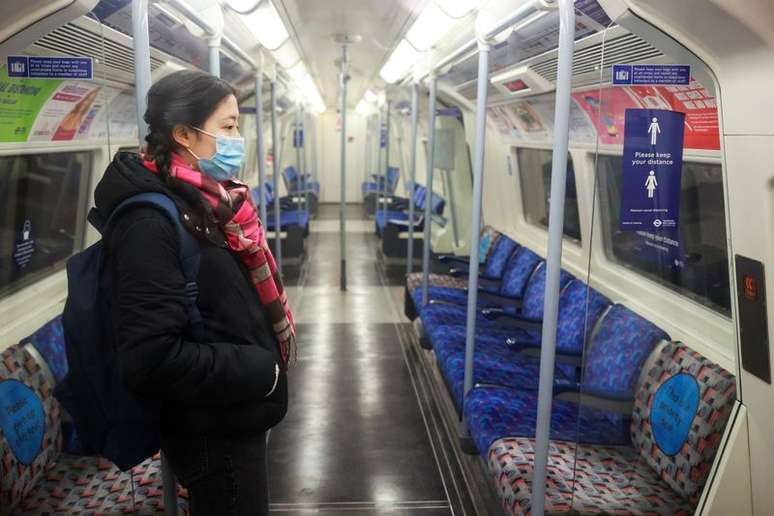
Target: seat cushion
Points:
x,y
493,413
600,480
445,314
90,485
450,339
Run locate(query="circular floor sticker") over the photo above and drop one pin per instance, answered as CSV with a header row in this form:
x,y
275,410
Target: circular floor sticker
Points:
x,y
673,410
22,420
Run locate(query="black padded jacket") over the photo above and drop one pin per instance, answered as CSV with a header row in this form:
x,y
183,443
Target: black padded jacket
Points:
x,y
217,387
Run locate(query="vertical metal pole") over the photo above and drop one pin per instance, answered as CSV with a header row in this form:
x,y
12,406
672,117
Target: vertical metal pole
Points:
x,y
213,47
386,163
447,174
142,82
554,251
142,72
275,165
343,193
259,151
304,165
368,139
478,184
297,145
429,197
379,162
414,127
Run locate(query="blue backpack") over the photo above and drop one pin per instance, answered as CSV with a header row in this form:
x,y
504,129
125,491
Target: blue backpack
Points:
x,y
109,419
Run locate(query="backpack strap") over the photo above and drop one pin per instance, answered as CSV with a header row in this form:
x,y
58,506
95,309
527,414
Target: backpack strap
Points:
x,y
189,250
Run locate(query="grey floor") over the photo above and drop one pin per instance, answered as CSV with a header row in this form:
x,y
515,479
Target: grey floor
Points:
x,y
355,440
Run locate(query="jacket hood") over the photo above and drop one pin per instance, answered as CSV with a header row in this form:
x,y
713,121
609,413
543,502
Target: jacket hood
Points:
x,y
124,177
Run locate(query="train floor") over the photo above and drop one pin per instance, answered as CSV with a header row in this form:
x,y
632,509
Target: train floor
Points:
x,y
360,436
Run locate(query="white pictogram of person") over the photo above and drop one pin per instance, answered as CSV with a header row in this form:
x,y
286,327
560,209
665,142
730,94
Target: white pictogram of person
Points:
x,y
654,130
650,184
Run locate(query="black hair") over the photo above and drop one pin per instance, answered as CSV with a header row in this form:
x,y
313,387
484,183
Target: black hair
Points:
x,y
186,97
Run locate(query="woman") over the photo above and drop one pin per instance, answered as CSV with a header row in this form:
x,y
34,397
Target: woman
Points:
x,y
223,392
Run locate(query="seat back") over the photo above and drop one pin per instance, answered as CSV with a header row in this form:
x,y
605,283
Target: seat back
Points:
x,y
681,409
437,204
580,306
517,272
30,425
49,342
617,350
535,292
392,178
420,192
486,242
290,177
502,250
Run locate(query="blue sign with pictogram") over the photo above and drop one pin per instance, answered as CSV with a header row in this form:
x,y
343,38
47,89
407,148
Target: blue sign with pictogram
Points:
x,y
298,138
652,169
48,67
651,74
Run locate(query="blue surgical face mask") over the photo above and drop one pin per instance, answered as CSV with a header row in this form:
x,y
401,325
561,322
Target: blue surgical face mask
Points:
x,y
228,157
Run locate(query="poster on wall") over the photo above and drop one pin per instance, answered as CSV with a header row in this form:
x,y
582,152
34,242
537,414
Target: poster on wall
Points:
x,y
68,114
529,120
504,124
42,110
20,102
605,109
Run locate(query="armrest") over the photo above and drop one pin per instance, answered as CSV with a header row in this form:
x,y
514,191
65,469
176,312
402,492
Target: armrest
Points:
x,y
497,299
458,273
561,388
450,258
512,321
488,282
404,224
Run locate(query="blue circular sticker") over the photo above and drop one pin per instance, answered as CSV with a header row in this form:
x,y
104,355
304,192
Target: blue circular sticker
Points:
x,y
672,412
22,420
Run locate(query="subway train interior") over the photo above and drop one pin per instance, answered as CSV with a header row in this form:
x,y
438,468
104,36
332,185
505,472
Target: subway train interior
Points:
x,y
523,241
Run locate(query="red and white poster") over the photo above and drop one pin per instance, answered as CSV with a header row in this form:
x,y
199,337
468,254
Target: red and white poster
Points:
x,y
702,130
605,109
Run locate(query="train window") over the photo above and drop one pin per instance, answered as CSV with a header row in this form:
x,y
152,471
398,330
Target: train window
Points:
x,y
43,203
535,178
692,260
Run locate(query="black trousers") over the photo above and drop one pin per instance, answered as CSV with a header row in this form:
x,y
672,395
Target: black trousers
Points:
x,y
224,476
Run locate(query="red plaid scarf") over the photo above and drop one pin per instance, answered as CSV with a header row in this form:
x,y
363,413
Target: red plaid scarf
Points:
x,y
234,211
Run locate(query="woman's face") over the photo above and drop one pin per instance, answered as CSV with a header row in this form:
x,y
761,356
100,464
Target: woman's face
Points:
x,y
223,121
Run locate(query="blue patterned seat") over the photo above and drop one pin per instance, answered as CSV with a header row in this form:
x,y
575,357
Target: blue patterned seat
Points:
x,y
641,477
619,345
517,272
618,348
504,343
443,314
